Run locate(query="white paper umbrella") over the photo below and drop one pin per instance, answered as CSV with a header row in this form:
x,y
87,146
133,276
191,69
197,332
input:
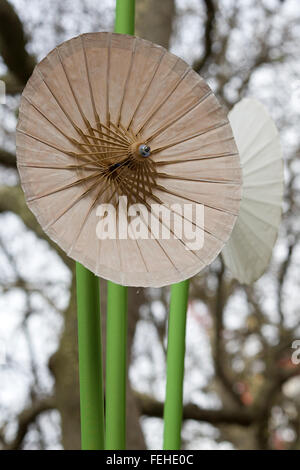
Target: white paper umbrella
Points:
x,y
248,251
107,115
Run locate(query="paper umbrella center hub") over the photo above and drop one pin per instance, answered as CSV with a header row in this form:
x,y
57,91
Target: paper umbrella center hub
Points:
x,y
117,160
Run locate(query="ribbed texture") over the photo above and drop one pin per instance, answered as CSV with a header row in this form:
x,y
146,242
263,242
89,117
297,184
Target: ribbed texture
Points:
x,y
84,112
249,249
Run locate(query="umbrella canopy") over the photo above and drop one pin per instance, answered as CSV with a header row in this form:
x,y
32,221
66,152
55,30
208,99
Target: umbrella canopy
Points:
x,y
249,249
107,115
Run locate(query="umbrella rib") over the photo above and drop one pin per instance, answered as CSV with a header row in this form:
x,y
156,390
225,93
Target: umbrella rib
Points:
x,y
205,230
161,202
204,157
152,173
208,144
73,203
108,142
158,107
71,139
159,218
43,141
180,196
254,137
84,118
67,186
151,195
78,130
260,167
124,131
122,167
155,239
109,152
74,183
67,167
145,192
127,80
148,174
96,115
178,118
147,87
47,119
139,175
142,186
107,79
259,201
139,248
141,253
118,130
66,152
250,228
117,238
191,221
119,186
257,152
211,111
113,140
200,180
212,128
264,183
119,136
100,192
253,214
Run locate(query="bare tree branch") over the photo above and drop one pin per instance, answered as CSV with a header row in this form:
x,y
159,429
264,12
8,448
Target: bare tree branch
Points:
x,y
13,43
152,407
220,353
208,35
12,200
7,159
28,417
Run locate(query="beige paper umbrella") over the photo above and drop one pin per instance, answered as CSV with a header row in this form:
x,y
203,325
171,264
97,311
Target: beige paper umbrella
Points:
x,y
107,115
249,249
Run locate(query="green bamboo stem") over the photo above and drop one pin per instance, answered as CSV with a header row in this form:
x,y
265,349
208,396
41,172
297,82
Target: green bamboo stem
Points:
x,y
116,328
125,16
116,370
90,360
175,365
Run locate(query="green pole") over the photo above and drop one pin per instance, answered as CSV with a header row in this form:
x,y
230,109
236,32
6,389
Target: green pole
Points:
x,y
116,328
175,365
116,370
125,16
90,360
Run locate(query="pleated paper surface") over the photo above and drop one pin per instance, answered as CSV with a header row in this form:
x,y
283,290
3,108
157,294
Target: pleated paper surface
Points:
x,y
248,252
85,112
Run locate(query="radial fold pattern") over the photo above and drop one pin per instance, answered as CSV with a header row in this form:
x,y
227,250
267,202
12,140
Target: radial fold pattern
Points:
x,y
107,115
249,249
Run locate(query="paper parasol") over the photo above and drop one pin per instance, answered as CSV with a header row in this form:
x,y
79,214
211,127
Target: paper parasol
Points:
x,y
88,114
249,249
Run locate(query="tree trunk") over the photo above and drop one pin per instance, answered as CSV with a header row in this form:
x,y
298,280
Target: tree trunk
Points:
x,y
64,366
154,20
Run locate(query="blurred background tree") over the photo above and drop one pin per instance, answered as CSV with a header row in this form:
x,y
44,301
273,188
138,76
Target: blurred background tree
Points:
x,y
242,389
